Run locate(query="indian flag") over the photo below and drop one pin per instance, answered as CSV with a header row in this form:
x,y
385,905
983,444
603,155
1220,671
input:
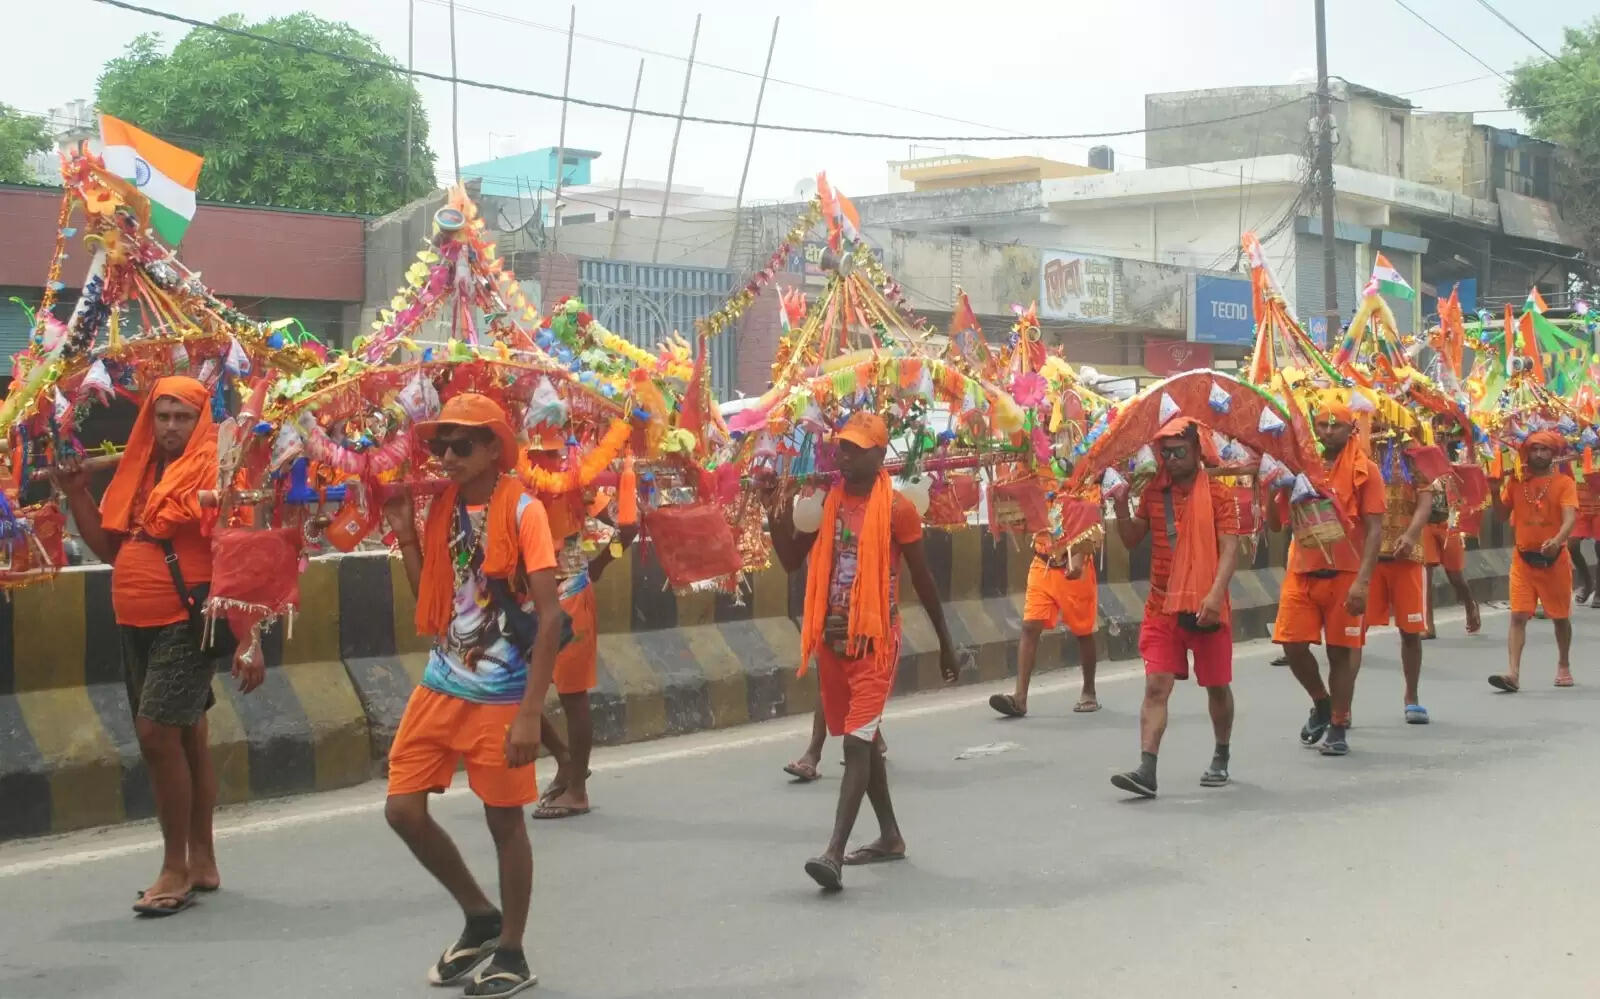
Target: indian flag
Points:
x,y
1535,302
1387,281
162,172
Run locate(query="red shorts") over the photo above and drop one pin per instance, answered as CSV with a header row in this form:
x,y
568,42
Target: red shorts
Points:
x,y
1165,648
1550,587
1444,547
1054,599
1397,591
576,665
437,730
1311,610
1588,526
854,692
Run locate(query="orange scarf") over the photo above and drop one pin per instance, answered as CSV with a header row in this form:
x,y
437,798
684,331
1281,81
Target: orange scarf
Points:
x,y
870,617
175,500
501,551
1194,555
1346,476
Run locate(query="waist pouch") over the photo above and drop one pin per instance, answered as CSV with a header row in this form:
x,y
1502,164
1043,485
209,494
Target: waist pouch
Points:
x,y
1537,559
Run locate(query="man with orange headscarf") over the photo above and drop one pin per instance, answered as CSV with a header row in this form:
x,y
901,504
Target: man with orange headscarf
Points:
x,y
1542,506
1193,525
1324,595
851,625
151,527
484,573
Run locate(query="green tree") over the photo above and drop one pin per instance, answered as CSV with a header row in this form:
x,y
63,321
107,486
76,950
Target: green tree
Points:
x,y
1561,100
20,137
276,125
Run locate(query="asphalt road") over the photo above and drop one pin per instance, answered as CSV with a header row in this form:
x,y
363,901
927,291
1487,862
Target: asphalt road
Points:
x,y
1449,860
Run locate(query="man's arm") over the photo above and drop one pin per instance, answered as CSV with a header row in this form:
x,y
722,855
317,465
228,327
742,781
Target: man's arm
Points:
x,y
402,517
1498,496
73,482
522,738
1411,537
1569,520
1131,531
791,548
928,592
1355,602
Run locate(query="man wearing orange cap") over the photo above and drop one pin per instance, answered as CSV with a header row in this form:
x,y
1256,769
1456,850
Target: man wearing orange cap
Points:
x,y
1193,525
1324,595
151,527
851,625
484,573
1398,579
1542,506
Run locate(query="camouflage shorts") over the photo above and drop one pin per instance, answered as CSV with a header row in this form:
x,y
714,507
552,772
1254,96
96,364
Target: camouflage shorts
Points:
x,y
168,677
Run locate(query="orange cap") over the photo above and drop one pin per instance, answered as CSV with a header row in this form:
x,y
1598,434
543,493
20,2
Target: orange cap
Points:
x,y
1549,438
864,430
470,409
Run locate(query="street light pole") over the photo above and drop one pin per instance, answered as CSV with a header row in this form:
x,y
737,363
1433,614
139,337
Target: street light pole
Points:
x,y
1330,270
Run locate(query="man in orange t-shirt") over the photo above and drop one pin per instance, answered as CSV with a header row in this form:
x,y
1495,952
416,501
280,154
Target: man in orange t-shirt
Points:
x,y
1399,579
151,527
1542,506
851,625
1193,525
1324,595
1587,527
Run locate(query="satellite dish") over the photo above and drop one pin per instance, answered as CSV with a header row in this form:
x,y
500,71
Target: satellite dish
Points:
x,y
805,189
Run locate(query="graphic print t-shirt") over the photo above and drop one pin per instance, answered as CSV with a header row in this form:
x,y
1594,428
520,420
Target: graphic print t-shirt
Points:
x,y
476,660
905,527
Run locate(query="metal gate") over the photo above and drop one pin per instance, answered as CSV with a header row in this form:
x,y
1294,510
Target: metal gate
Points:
x,y
645,303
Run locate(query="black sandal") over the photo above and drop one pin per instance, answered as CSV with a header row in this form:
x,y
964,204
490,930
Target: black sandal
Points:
x,y
458,960
498,980
826,873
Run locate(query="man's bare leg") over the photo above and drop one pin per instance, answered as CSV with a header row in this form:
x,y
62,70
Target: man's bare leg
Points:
x,y
1463,592
806,766
1581,568
203,873
1027,659
515,855
1343,665
1428,629
409,817
890,842
1303,664
1563,650
1087,660
173,786
1516,638
1219,701
1411,664
570,788
858,754
550,739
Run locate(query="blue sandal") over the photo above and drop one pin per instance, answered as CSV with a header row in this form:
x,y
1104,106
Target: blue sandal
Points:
x,y
1416,714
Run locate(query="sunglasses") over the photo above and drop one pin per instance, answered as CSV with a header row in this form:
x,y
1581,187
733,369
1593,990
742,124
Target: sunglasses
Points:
x,y
1175,451
462,446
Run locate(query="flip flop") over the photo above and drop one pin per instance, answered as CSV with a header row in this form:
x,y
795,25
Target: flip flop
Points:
x,y
1087,705
871,855
1504,683
1006,704
1416,714
557,790
825,873
558,811
803,773
150,906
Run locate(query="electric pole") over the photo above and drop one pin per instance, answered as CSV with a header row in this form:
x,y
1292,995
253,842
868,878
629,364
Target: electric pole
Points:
x,y
1330,271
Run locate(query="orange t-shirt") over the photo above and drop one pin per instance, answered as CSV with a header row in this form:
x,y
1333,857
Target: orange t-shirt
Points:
x,y
1589,496
142,591
1224,514
1345,555
1536,506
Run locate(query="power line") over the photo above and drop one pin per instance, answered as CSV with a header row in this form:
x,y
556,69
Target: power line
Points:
x,y
389,67
1442,34
1486,5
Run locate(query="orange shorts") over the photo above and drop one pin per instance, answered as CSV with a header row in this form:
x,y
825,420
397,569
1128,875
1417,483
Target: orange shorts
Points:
x,y
1552,587
438,730
1397,591
1444,547
854,693
1056,600
577,664
1312,610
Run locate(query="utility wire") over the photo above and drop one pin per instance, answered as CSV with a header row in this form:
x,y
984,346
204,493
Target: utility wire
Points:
x,y
1442,34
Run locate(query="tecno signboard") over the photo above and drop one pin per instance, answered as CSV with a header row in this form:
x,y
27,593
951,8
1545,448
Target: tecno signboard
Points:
x,y
1221,312
1076,287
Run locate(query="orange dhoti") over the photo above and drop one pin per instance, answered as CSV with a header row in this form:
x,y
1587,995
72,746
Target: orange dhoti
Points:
x,y
1548,587
1053,599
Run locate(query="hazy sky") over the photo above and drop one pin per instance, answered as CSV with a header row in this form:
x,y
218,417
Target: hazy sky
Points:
x,y
991,68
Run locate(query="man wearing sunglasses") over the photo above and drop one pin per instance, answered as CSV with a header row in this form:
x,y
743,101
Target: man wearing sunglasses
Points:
x,y
1193,525
484,575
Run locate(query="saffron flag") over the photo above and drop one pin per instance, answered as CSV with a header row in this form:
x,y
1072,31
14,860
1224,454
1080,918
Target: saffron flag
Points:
x,y
163,173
